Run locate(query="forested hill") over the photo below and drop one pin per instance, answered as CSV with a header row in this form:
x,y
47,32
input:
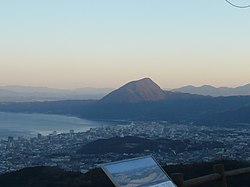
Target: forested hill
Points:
x,y
54,177
219,111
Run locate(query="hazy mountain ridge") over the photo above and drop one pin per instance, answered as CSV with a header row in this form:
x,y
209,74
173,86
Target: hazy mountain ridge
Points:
x,y
208,90
135,91
28,93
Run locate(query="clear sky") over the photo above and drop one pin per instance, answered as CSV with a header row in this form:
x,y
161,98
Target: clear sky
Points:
x,y
105,43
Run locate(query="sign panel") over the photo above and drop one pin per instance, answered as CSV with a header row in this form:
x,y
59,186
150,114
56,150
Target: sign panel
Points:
x,y
137,172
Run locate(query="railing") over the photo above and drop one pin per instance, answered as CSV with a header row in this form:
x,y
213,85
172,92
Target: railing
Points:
x,y
219,177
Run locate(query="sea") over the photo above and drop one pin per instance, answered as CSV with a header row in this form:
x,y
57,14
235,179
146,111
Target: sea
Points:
x,y
29,125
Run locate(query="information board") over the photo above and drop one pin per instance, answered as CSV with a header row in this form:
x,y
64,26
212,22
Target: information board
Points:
x,y
137,172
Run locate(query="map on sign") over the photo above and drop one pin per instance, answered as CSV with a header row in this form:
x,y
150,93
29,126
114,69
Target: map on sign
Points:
x,y
138,172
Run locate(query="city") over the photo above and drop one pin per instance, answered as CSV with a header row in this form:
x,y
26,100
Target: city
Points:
x,y
203,144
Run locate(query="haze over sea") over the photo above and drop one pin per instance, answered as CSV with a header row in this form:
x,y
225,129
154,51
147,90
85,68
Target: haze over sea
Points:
x,y
29,125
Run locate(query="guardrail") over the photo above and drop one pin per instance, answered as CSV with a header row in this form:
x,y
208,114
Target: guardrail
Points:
x,y
219,177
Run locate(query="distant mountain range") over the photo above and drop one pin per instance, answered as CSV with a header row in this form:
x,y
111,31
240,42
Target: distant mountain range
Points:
x,y
135,91
27,93
145,100
213,91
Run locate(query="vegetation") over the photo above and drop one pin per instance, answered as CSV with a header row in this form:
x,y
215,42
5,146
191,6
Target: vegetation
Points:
x,y
132,144
55,177
178,108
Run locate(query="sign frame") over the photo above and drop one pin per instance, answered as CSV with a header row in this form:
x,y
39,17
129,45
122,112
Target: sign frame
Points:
x,y
103,167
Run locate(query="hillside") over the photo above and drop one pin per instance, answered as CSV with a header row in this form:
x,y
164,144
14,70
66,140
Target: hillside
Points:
x,y
136,91
238,116
131,144
54,177
177,109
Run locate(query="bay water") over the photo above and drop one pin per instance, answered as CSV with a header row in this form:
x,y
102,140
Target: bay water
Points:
x,y
29,125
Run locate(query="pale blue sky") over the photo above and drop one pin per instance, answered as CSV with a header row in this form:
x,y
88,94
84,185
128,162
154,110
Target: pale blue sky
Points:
x,y
79,43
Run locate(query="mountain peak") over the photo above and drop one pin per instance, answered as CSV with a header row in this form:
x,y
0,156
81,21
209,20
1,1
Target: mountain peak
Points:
x,y
136,91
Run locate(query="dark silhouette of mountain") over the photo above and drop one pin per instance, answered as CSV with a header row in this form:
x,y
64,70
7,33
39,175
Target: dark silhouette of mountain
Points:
x,y
135,92
213,91
231,117
136,100
52,176
175,109
218,111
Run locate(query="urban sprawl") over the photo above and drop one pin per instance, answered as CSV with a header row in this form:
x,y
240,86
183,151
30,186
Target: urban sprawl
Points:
x,y
61,149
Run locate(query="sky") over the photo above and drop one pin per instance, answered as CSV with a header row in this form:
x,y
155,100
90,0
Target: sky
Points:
x,y
96,43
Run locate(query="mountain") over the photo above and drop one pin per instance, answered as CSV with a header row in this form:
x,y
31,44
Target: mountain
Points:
x,y
135,92
216,111
144,100
213,91
28,93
